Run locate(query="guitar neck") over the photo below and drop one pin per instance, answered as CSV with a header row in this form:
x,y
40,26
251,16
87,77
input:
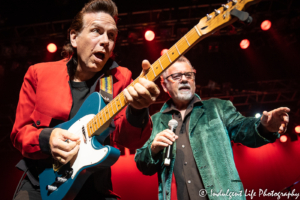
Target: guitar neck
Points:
x,y
156,69
207,25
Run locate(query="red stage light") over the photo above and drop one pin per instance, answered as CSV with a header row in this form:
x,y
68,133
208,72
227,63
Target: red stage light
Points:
x,y
244,44
266,25
163,51
51,48
149,35
283,138
297,129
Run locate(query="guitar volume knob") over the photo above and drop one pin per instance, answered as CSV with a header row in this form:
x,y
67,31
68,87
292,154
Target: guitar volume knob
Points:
x,y
61,179
51,188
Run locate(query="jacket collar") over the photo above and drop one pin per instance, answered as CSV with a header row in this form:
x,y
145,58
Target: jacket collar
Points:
x,y
109,65
196,114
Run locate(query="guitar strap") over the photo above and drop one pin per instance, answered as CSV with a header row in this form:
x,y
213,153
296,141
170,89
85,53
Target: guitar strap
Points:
x,y
106,86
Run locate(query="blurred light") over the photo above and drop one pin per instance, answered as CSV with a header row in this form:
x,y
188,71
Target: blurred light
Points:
x,y
163,51
51,48
245,44
283,138
265,25
257,115
297,129
149,35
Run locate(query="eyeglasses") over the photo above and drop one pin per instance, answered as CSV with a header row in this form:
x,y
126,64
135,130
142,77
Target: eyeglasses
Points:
x,y
178,76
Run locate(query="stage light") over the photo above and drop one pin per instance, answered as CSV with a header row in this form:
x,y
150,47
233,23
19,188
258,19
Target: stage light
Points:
x,y
51,48
163,51
265,25
297,129
283,138
257,115
149,35
244,44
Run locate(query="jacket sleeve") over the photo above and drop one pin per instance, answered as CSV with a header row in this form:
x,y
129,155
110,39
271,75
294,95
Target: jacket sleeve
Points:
x,y
147,164
245,130
133,127
25,134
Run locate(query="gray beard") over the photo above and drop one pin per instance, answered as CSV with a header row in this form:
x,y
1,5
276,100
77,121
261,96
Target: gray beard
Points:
x,y
184,95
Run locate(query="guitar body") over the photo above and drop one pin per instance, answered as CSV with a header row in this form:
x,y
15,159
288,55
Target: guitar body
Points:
x,y
92,155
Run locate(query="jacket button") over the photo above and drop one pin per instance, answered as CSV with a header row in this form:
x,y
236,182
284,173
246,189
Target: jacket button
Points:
x,y
167,192
38,122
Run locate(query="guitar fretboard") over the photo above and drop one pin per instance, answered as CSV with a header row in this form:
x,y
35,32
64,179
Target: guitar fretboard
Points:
x,y
156,69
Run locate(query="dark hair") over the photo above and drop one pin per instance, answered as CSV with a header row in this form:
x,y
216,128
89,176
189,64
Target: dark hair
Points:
x,y
107,6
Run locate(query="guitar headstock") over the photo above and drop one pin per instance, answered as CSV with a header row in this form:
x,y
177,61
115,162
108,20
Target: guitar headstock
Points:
x,y
222,17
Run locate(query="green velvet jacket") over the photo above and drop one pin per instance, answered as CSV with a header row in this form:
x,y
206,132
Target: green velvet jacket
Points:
x,y
213,124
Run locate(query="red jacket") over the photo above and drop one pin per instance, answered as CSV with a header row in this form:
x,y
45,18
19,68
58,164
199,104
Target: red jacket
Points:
x,y
46,95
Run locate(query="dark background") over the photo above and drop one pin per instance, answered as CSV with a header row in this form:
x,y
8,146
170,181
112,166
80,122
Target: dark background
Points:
x,y
262,77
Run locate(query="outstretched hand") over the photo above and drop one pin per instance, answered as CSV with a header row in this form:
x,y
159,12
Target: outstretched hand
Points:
x,y
276,120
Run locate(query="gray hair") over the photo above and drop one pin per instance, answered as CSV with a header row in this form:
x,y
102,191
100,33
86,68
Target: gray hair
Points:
x,y
180,59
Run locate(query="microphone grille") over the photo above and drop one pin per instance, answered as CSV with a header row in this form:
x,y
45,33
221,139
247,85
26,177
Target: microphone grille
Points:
x,y
173,123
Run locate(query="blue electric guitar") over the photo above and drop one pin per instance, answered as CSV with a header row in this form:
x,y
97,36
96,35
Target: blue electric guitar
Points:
x,y
92,121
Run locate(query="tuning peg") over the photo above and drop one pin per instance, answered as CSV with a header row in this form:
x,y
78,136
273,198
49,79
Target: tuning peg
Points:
x,y
225,6
208,17
217,11
234,2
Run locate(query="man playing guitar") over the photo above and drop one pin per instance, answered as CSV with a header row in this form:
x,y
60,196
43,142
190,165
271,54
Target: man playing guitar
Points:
x,y
53,92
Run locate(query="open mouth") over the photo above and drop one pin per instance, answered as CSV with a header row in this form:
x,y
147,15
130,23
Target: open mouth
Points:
x,y
99,55
184,88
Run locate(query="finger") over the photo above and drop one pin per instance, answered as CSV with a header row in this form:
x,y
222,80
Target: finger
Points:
x,y
67,146
145,65
136,100
285,118
60,159
73,153
142,92
133,93
57,153
169,135
69,135
282,128
281,110
150,86
164,140
169,131
264,118
161,144
65,156
127,95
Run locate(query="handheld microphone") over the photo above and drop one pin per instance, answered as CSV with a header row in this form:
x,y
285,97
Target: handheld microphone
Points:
x,y
172,126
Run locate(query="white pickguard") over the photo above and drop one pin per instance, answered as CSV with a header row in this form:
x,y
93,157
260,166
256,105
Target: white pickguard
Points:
x,y
87,155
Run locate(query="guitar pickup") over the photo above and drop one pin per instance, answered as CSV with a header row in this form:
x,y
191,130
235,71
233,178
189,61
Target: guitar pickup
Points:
x,y
84,134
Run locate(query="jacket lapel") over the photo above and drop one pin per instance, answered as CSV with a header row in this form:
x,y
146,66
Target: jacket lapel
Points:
x,y
165,118
195,116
